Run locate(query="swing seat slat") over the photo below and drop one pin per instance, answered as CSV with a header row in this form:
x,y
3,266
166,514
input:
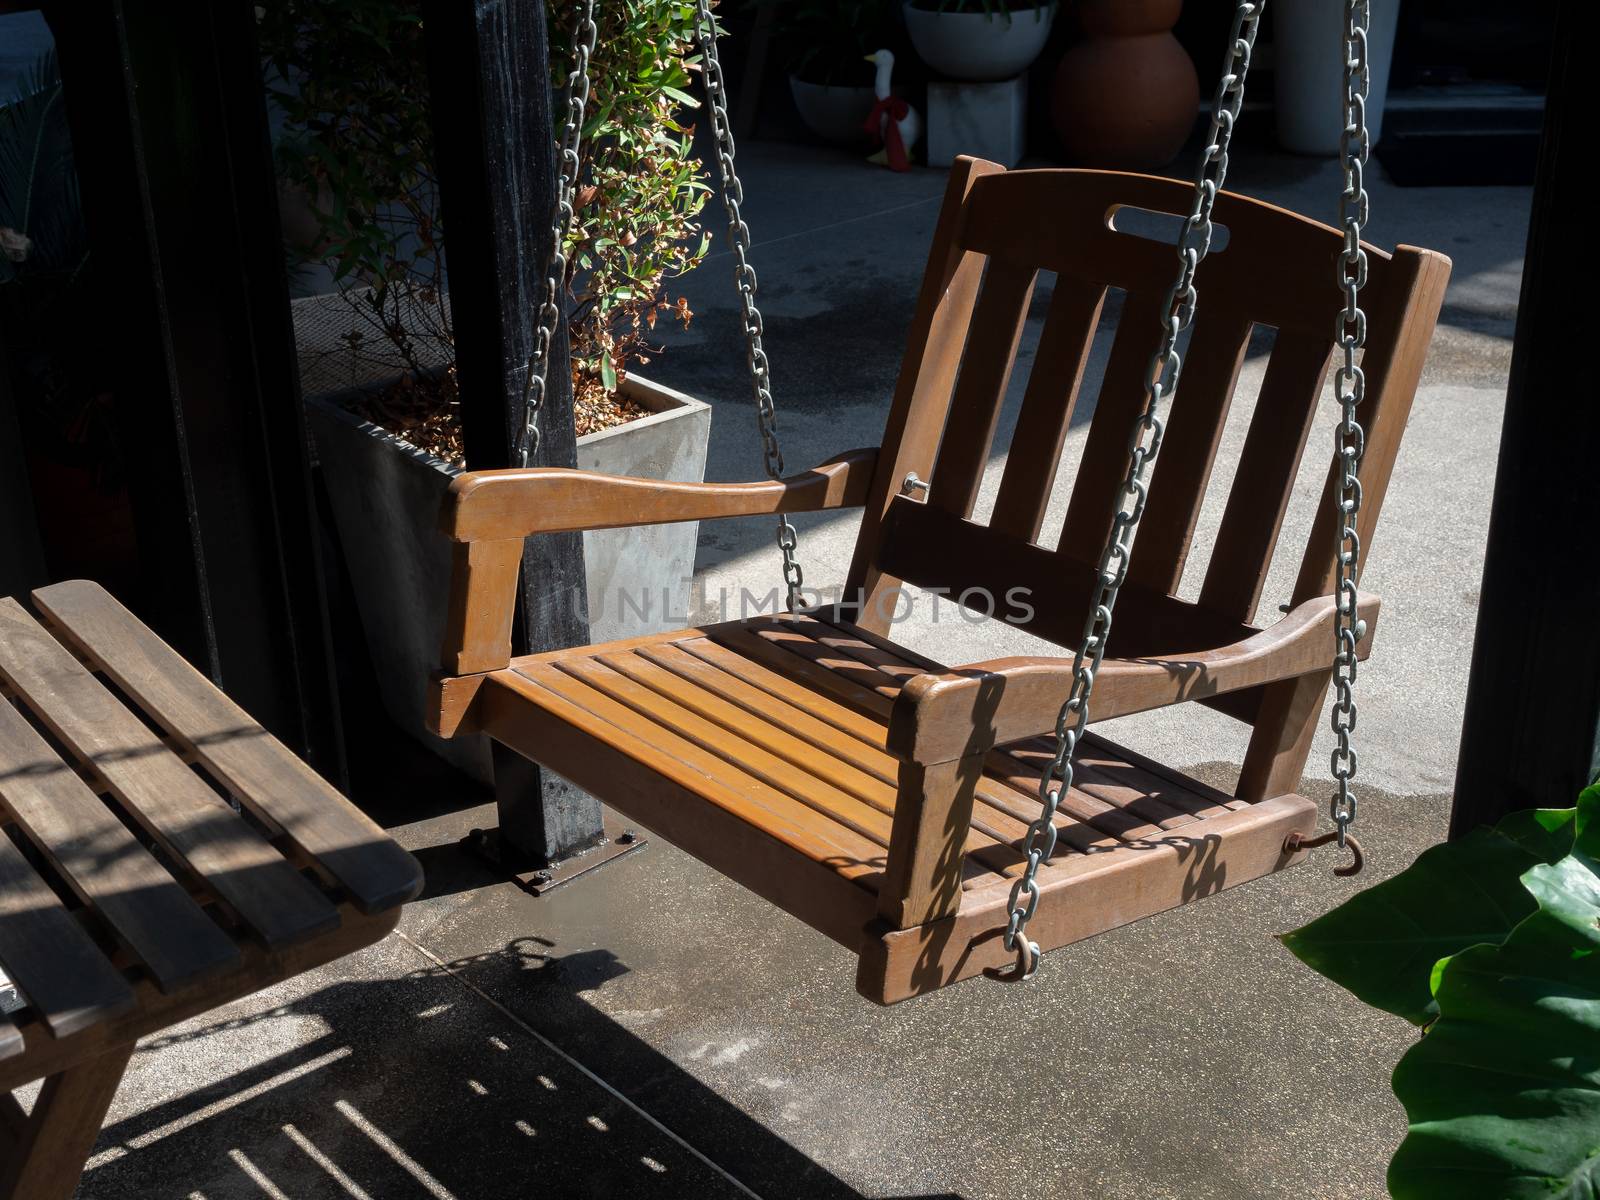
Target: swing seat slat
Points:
x,y
884,798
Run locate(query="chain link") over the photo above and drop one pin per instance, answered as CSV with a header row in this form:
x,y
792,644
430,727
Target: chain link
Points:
x,y
1350,387
745,280
555,274
1144,442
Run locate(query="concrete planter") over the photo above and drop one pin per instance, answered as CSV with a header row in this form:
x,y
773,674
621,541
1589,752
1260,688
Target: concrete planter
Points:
x,y
979,46
639,579
387,495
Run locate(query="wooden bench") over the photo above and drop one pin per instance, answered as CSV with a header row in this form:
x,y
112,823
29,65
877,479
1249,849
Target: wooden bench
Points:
x,y
133,893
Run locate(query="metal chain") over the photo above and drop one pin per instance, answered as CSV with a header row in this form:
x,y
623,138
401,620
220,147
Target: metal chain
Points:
x,y
1144,443
745,280
555,274
1350,386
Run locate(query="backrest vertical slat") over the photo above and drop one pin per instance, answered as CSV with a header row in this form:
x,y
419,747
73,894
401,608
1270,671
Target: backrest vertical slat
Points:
x,y
1046,415
991,351
922,394
1265,477
1400,324
1095,490
1195,422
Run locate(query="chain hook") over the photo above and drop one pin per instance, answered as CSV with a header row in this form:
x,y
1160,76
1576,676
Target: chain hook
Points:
x,y
1297,842
1022,969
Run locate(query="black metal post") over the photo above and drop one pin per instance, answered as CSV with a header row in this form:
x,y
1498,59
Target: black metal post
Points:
x,y
488,70
1531,737
170,136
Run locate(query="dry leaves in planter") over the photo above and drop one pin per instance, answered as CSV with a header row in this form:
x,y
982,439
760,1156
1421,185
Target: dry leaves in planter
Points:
x,y
425,411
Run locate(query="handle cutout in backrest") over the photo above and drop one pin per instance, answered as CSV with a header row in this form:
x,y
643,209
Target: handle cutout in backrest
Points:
x,y
1154,225
1277,269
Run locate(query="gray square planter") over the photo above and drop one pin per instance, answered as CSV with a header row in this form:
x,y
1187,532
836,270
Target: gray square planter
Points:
x,y
387,495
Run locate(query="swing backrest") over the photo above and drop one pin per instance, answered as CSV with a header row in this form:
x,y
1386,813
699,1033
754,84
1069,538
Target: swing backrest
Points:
x,y
997,231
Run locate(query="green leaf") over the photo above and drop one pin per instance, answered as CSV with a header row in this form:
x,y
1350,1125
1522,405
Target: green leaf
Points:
x,y
1503,1093
1383,944
348,79
608,373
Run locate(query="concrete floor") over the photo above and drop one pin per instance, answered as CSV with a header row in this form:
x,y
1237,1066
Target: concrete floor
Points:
x,y
654,1031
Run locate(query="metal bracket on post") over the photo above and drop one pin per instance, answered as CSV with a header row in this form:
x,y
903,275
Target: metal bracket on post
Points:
x,y
543,846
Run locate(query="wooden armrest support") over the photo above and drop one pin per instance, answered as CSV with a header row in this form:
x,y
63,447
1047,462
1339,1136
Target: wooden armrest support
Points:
x,y
939,718
498,505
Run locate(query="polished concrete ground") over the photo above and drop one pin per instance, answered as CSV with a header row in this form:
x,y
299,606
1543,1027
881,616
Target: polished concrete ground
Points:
x,y
654,1031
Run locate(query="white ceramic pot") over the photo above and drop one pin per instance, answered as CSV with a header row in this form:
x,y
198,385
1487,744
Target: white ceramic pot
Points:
x,y
835,114
978,46
1309,73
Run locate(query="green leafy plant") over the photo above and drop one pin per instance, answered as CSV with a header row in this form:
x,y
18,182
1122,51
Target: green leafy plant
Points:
x,y
350,81
827,40
641,188
1490,944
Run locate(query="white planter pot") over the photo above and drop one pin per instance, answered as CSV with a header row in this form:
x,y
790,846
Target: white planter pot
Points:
x,y
386,497
977,46
835,114
1308,68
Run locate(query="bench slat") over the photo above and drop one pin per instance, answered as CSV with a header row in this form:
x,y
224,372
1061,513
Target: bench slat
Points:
x,y
150,911
66,979
170,803
265,776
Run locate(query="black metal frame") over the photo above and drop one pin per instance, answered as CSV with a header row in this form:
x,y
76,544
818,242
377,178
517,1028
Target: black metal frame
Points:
x,y
1531,737
491,113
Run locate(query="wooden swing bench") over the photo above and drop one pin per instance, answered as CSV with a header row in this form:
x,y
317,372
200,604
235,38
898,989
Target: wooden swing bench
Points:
x,y
881,797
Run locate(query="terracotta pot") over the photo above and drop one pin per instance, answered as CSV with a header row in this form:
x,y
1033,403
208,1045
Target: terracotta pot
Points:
x,y
1127,96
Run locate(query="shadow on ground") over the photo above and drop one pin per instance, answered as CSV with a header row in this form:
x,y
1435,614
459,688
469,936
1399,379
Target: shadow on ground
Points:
x,y
421,1085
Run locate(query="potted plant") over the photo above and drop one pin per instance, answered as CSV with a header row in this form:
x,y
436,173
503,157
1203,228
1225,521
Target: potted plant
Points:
x,y
1308,74
1490,945
356,164
979,40
827,44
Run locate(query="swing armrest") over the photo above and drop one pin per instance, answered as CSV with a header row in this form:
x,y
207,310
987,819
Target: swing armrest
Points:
x,y
498,505
940,718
